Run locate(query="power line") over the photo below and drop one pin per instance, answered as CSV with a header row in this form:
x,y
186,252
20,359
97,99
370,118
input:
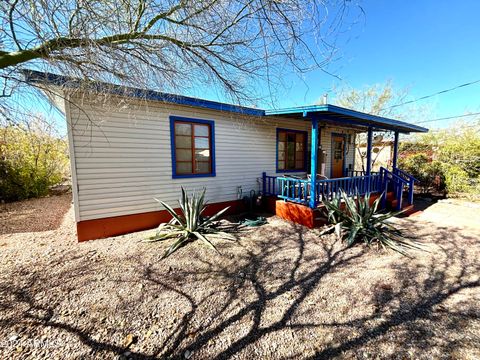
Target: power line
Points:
x,y
448,118
432,95
474,126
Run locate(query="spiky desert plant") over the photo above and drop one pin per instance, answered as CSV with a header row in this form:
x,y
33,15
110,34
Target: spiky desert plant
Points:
x,y
355,220
190,225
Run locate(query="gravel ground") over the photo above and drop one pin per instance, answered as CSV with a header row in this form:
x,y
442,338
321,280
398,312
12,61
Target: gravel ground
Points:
x,y
34,215
281,291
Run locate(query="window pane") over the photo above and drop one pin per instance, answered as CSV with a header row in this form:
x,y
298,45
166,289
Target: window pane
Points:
x,y
202,167
290,154
183,129
281,155
281,146
202,155
299,146
184,155
291,137
183,142
299,164
281,165
281,136
184,168
201,130
300,138
201,143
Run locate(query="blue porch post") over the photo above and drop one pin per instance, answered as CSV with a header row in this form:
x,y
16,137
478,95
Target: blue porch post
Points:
x,y
395,151
313,163
369,151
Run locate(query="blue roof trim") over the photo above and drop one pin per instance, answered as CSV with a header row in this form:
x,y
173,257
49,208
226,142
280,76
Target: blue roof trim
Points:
x,y
33,76
354,115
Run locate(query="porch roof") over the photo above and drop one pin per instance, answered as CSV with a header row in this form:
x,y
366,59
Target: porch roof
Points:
x,y
341,116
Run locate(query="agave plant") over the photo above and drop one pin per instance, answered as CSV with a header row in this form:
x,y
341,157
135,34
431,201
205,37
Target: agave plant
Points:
x,y
190,224
355,220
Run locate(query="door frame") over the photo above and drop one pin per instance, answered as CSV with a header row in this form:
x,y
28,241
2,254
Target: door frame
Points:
x,y
344,136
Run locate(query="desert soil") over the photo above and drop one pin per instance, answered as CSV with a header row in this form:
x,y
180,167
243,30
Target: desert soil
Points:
x,y
279,292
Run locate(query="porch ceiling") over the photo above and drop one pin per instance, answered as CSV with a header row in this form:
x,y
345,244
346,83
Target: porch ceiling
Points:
x,y
341,116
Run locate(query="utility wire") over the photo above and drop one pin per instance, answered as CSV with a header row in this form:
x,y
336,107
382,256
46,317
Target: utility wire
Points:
x,y
432,95
447,118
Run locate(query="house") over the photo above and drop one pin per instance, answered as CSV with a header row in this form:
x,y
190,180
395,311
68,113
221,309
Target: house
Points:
x,y
129,146
382,154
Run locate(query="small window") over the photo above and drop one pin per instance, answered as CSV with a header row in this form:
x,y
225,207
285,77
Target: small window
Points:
x,y
192,147
291,150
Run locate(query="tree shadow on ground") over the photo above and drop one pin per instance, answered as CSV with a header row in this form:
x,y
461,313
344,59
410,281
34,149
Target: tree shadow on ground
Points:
x,y
273,286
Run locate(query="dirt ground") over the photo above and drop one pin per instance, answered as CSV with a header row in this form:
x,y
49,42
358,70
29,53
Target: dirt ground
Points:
x,y
280,292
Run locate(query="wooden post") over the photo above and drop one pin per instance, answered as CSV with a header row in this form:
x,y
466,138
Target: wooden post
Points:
x,y
369,157
264,184
369,151
395,151
410,191
313,163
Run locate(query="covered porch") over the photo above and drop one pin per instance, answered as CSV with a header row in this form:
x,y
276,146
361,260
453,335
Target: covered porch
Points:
x,y
309,191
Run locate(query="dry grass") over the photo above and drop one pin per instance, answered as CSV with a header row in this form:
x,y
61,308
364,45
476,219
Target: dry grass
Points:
x,y
280,292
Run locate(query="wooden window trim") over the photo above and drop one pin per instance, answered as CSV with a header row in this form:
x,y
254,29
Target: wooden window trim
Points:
x,y
304,152
211,147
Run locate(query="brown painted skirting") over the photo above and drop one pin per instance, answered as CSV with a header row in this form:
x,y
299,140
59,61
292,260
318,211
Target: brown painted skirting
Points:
x,y
119,225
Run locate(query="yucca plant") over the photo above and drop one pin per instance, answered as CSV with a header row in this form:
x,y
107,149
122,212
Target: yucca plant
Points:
x,y
190,224
358,221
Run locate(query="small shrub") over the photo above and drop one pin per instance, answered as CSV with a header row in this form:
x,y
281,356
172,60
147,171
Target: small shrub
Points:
x,y
429,173
190,224
358,222
31,161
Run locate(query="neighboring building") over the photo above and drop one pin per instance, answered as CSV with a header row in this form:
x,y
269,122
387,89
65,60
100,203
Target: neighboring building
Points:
x,y
133,146
382,155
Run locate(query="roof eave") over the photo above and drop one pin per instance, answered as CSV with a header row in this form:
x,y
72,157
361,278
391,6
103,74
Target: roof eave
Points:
x,y
33,76
360,118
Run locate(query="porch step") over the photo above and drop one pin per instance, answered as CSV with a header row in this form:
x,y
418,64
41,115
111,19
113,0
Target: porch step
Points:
x,y
406,207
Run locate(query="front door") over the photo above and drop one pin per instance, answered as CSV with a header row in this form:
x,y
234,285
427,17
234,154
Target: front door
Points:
x,y
338,156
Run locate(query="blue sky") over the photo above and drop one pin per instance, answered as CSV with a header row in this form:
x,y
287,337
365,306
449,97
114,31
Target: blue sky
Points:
x,y
426,46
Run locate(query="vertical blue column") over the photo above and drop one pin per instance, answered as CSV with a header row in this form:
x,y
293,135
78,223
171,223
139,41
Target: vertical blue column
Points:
x,y
313,163
369,151
395,150
264,184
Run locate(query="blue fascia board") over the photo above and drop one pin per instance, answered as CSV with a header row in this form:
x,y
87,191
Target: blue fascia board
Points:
x,y
33,76
374,120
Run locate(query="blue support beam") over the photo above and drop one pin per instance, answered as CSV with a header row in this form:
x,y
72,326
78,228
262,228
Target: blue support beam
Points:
x,y
313,163
395,150
369,151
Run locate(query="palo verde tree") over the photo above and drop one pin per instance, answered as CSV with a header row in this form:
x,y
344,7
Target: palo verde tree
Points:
x,y
167,45
381,100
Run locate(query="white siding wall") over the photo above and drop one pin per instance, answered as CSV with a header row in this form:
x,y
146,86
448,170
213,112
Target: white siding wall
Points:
x,y
122,155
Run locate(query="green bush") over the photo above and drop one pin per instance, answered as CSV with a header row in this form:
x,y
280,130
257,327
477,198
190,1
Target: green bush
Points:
x,y
451,156
430,174
457,179
30,163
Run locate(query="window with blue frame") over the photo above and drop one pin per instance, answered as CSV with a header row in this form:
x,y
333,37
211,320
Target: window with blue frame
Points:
x,y
291,150
193,147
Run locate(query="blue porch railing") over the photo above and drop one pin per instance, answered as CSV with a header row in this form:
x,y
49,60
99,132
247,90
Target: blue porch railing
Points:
x,y
298,190
356,185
